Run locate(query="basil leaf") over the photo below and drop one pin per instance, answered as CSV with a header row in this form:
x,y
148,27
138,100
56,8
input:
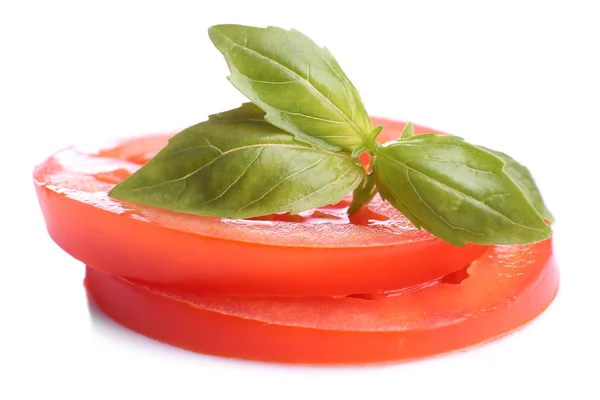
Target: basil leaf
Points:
x,y
457,191
298,84
237,165
363,194
408,131
523,178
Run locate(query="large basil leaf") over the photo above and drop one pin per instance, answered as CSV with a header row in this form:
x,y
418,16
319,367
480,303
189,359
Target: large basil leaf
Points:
x,y
237,165
298,84
523,178
457,191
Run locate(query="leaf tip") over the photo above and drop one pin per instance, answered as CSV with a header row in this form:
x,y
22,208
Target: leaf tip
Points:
x,y
116,192
216,34
213,31
547,232
408,131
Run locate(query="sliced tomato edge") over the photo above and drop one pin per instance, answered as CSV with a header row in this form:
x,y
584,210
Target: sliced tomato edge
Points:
x,y
150,287
384,346
45,189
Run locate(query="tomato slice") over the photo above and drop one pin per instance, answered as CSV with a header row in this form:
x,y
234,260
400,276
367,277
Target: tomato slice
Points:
x,y
505,288
317,252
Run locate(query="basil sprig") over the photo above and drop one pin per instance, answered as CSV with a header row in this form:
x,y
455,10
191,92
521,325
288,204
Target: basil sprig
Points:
x,y
297,148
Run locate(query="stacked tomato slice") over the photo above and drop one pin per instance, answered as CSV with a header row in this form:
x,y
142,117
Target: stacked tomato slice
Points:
x,y
318,287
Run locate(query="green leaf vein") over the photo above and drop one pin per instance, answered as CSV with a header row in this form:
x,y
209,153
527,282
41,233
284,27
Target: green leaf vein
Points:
x,y
281,182
224,153
451,189
305,81
238,178
426,203
418,223
324,187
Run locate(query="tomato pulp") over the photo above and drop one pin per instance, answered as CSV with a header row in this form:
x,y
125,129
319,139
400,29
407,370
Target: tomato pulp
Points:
x,y
319,252
504,288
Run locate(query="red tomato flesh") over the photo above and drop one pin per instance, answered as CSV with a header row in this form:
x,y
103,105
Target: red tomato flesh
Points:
x,y
320,252
505,288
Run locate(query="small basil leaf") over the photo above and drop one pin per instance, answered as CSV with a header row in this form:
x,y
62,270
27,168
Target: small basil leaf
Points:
x,y
408,131
298,84
457,191
359,152
363,194
523,178
237,165
372,138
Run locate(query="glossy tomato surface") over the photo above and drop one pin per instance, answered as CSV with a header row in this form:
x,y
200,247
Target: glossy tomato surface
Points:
x,y
317,252
505,288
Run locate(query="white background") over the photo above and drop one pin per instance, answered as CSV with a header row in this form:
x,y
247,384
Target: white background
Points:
x,y
522,77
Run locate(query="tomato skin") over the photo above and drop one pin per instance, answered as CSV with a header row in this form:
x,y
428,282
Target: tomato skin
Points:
x,y
507,287
268,257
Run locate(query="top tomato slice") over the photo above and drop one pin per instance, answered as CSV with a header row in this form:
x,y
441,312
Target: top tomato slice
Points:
x,y
317,252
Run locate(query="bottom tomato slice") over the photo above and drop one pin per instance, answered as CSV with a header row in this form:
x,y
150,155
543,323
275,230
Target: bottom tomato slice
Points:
x,y
505,288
